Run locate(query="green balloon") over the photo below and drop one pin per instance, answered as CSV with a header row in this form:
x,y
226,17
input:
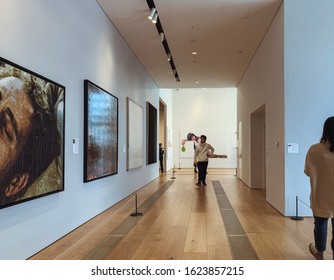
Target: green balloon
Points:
x,y
183,149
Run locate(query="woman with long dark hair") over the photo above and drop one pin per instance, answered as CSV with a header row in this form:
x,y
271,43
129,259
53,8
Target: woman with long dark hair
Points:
x,y
319,166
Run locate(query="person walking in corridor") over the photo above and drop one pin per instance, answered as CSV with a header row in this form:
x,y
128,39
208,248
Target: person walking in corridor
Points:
x,y
202,152
319,165
161,157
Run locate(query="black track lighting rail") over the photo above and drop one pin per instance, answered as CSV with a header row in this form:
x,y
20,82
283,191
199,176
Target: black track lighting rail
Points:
x,y
160,30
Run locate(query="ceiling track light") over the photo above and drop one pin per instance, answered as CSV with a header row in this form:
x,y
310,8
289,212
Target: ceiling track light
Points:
x,y
155,18
162,36
169,56
176,75
152,12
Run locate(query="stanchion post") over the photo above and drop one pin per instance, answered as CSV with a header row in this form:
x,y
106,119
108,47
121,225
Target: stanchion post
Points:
x,y
297,218
136,213
173,177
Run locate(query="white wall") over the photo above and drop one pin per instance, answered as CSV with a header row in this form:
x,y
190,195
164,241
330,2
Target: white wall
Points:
x,y
308,96
205,111
263,83
67,42
309,87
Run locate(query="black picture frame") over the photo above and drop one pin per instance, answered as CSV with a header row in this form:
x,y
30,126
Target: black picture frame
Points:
x,y
32,133
100,132
151,134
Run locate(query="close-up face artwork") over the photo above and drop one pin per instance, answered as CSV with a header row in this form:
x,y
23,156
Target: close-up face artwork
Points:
x,y
16,114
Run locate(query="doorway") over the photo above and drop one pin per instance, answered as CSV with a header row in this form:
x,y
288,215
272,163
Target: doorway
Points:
x,y
162,130
258,148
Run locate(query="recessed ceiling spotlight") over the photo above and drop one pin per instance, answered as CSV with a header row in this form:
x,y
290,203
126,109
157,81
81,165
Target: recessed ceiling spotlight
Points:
x,y
197,82
194,52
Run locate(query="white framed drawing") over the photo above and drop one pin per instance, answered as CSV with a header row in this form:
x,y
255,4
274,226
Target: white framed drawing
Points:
x,y
135,129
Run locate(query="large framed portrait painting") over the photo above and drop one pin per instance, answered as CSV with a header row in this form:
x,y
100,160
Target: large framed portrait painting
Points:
x,y
32,118
101,133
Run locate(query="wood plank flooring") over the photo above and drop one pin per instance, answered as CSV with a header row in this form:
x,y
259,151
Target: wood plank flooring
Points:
x,y
223,221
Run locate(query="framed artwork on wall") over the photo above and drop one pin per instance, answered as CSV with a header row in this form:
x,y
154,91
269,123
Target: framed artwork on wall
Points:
x,y
151,134
100,132
134,135
32,126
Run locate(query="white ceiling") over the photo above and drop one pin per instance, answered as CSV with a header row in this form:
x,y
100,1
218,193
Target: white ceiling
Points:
x,y
224,33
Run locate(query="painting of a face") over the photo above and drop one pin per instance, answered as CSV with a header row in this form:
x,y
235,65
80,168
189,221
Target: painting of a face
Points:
x,y
16,114
32,110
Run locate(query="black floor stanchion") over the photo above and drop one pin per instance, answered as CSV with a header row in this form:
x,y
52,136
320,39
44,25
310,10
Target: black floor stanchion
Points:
x,y
136,213
173,177
297,218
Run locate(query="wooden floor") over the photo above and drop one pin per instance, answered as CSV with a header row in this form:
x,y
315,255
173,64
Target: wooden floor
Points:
x,y
223,221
